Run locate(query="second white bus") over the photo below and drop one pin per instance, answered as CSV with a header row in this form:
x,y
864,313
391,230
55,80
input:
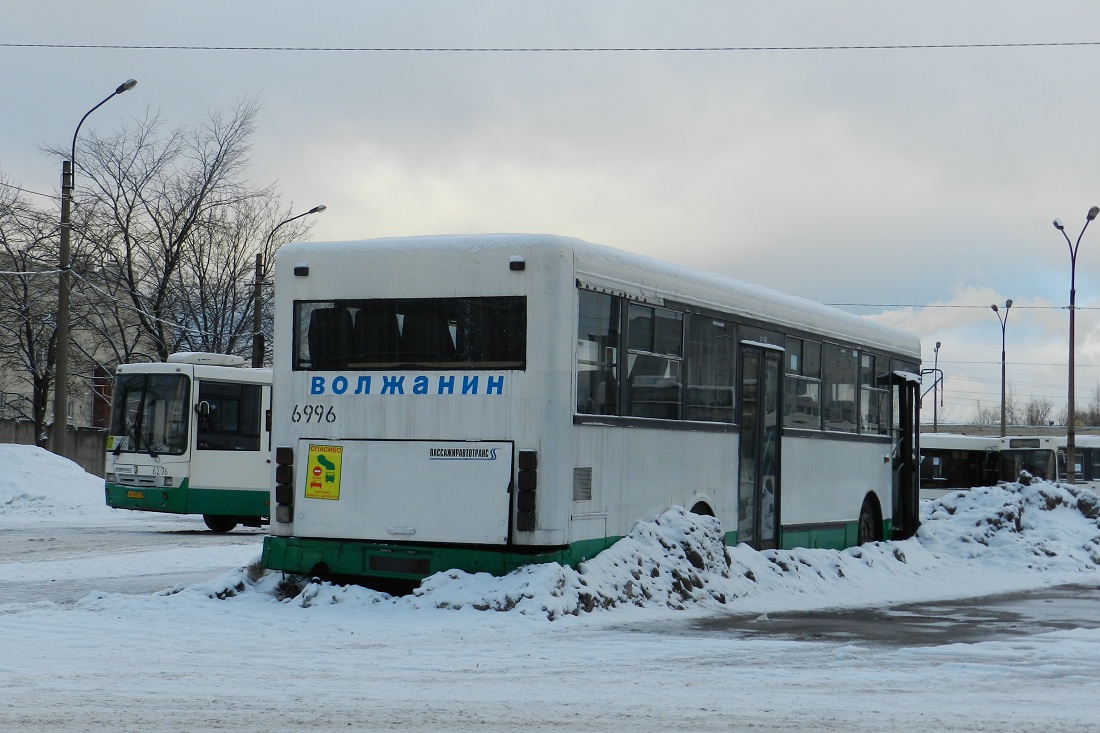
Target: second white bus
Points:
x,y
192,436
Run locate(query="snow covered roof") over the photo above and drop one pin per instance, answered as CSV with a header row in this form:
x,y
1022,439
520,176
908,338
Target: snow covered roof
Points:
x,y
600,264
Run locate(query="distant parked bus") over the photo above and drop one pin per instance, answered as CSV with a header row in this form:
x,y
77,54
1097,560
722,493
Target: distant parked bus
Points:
x,y
1035,455
191,436
1086,460
950,462
484,402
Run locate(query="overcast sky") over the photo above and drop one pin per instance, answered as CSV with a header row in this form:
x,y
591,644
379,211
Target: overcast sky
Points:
x,y
904,176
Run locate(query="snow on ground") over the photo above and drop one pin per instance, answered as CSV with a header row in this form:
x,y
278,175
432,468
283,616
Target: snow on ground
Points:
x,y
607,646
1020,536
35,483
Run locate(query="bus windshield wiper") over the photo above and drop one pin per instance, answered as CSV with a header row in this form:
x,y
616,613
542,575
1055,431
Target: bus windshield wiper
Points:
x,y
128,433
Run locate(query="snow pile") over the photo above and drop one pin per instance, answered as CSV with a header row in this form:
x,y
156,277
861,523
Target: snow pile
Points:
x,y
1040,526
986,540
35,482
675,561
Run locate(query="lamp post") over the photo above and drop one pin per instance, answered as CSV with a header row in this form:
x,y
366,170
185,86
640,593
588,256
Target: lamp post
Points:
x,y
936,389
257,332
1071,418
1003,320
61,372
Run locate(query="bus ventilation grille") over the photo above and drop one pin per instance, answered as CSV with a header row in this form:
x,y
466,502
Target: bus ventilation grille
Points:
x,y
582,484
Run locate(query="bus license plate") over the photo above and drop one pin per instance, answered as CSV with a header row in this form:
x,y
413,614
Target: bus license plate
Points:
x,y
135,494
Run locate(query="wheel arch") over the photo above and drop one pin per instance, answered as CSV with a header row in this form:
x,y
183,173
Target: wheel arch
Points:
x,y
869,525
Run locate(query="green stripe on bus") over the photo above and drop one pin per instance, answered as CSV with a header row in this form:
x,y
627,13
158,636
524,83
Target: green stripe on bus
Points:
x,y
826,536
830,537
186,500
362,559
350,558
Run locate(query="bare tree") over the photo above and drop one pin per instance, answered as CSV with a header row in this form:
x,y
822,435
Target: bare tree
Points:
x,y
215,284
166,235
987,415
164,213
1091,414
1038,410
991,414
28,300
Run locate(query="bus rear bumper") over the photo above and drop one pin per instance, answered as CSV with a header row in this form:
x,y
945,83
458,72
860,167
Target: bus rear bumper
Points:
x,y
363,559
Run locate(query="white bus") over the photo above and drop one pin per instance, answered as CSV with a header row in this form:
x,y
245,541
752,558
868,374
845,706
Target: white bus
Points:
x,y
192,436
1046,457
951,462
1039,456
484,402
1086,449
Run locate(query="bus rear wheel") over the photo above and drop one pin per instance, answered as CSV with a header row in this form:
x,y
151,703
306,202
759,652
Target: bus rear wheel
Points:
x,y
219,523
869,528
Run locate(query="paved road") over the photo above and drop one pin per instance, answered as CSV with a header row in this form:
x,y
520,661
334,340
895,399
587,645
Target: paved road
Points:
x,y
925,624
59,563
62,563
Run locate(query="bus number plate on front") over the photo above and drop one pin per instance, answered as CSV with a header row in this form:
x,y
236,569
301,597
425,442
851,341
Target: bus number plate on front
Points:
x,y
135,494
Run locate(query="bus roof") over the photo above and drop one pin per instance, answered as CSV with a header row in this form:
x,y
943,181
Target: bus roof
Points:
x,y
654,278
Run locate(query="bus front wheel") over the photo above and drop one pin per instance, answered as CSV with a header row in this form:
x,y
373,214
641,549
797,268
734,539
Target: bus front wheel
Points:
x,y
219,523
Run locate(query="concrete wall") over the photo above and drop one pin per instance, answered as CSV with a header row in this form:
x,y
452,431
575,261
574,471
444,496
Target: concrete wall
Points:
x,y
88,445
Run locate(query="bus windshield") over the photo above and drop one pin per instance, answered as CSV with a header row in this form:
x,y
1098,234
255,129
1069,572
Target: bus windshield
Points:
x,y
149,413
411,333
1038,462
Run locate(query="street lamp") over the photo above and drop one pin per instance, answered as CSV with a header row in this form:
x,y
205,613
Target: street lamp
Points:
x,y
1003,320
936,388
257,333
61,375
1071,418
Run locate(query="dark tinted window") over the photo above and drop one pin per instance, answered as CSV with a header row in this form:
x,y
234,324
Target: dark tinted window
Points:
x,y
422,333
229,416
709,367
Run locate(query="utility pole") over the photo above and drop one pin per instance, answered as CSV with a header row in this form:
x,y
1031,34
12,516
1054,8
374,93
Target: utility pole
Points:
x,y
60,438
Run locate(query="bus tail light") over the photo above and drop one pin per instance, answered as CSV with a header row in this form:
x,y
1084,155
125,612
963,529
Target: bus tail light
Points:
x,y
284,484
527,482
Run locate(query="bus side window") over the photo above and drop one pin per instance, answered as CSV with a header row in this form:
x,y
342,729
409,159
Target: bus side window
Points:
x,y
598,316
229,416
330,337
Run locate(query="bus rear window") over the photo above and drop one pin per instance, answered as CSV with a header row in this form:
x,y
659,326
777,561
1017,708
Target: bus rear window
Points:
x,y
411,333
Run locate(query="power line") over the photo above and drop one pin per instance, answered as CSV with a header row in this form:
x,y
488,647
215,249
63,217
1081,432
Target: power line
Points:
x,y
555,49
939,305
1016,363
143,312
27,190
29,272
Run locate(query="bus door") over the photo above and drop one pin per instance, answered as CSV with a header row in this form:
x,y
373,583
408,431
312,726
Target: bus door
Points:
x,y
758,472
906,456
